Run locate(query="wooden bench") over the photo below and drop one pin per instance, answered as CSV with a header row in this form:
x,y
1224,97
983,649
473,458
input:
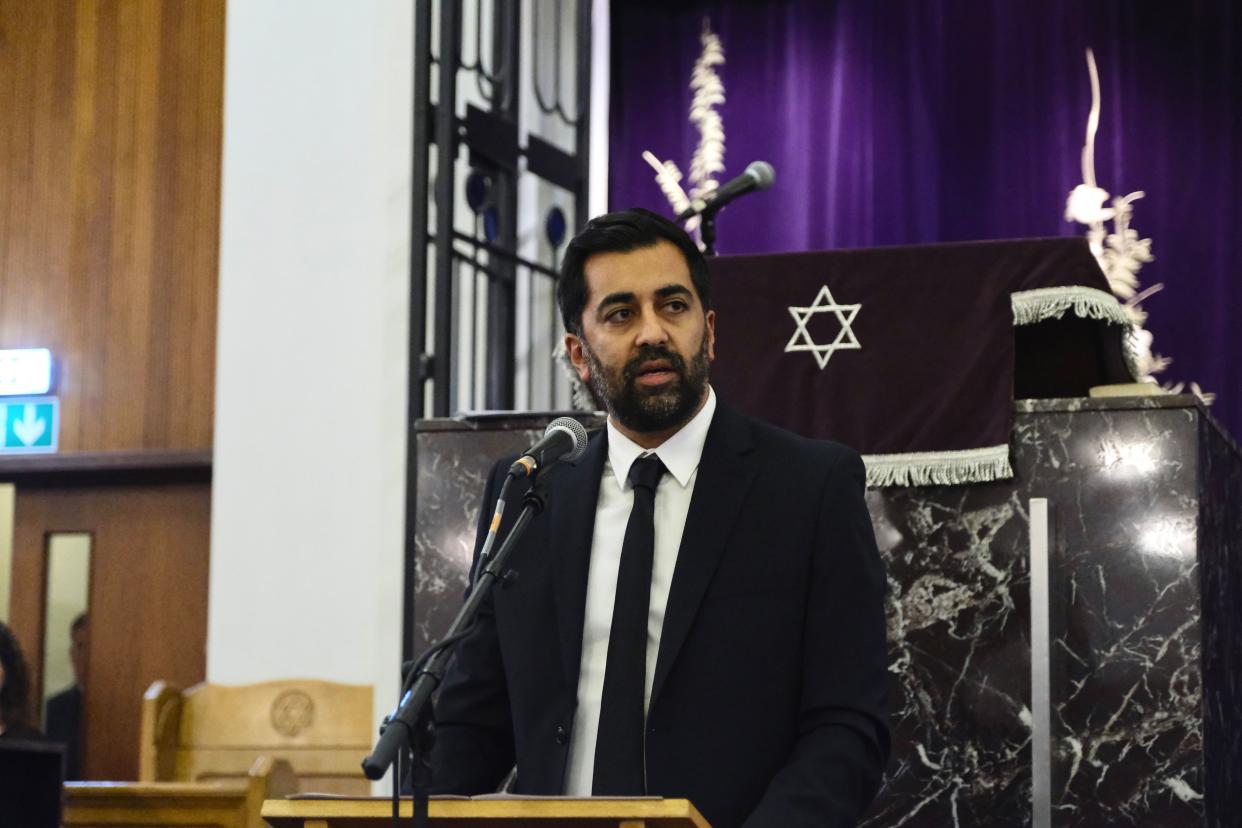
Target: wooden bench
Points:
x,y
233,803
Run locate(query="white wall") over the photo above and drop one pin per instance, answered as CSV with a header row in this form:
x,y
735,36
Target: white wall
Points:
x,y
307,510
308,493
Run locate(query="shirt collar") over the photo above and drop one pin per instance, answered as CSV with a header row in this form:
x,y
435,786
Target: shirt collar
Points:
x,y
680,453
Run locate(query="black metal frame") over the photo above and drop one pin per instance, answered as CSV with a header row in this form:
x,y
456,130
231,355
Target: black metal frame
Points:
x,y
496,147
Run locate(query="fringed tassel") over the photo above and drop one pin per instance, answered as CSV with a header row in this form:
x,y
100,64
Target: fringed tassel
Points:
x,y
1031,306
938,468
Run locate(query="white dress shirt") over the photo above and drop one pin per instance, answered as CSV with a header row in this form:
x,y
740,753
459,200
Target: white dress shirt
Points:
x,y
680,455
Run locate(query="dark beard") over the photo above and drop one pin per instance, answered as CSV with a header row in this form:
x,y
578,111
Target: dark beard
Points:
x,y
651,410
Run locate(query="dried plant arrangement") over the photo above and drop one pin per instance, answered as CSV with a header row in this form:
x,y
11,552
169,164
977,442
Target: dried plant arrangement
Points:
x,y
1121,252
708,95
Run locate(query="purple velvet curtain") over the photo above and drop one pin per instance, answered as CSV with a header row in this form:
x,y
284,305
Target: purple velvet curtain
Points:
x,y
905,121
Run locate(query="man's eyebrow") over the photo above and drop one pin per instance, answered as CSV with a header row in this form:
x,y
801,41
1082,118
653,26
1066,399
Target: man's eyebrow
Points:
x,y
673,290
618,298
623,297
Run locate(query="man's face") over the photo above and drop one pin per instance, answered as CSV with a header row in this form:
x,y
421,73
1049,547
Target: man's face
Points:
x,y
646,344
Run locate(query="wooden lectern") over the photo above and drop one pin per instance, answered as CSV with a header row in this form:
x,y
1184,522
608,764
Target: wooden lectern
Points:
x,y
501,813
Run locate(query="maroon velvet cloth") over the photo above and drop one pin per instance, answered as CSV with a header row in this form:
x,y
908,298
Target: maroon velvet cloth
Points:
x,y
935,370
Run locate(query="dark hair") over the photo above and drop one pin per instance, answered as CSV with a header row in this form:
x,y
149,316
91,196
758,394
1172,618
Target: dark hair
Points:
x,y
78,623
622,232
15,694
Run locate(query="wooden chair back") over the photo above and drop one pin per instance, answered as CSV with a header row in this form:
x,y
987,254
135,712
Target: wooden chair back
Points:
x,y
215,731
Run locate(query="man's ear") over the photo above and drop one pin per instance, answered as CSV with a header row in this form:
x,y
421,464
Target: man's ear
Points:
x,y
710,318
574,346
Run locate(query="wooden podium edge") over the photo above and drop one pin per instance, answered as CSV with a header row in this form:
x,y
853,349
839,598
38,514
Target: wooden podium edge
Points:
x,y
325,810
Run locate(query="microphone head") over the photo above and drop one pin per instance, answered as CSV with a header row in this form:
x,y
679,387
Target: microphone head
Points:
x,y
762,174
576,432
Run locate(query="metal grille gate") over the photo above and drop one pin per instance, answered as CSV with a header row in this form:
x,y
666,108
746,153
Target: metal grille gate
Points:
x,y
499,183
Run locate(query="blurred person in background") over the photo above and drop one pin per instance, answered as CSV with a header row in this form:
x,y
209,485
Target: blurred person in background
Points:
x,y
63,717
14,690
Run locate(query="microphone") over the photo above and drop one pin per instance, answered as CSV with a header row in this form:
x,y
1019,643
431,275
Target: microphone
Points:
x,y
758,176
564,439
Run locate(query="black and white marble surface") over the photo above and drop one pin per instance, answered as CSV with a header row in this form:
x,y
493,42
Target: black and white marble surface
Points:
x,y
1145,614
455,457
1220,521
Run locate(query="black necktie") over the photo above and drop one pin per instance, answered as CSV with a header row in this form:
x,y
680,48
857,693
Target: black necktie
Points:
x,y
619,767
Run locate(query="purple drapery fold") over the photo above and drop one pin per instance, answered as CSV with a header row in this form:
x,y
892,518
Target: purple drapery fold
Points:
x,y
912,121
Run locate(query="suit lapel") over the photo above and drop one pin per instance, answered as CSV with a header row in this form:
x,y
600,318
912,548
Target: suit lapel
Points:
x,y
572,522
726,471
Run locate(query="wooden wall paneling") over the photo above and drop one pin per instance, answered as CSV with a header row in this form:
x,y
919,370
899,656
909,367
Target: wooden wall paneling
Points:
x,y
148,598
13,176
189,89
83,379
110,151
202,248
129,267
51,267
29,582
169,280
20,46
110,147
149,610
38,155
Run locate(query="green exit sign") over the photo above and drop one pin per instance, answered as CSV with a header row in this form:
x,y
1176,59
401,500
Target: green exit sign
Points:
x,y
31,425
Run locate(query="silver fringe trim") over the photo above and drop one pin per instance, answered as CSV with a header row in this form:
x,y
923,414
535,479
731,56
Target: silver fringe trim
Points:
x,y
938,468
1031,306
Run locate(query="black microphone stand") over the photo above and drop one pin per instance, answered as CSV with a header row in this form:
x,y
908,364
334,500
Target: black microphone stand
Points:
x,y
707,226
416,731
707,231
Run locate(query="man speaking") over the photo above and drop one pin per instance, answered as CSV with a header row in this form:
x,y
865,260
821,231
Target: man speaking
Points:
x,y
699,611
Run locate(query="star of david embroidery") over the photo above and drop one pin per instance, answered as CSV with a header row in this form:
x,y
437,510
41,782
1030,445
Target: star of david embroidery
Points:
x,y
845,341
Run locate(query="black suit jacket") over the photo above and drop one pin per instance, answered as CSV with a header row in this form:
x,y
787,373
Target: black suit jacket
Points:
x,y
63,720
768,701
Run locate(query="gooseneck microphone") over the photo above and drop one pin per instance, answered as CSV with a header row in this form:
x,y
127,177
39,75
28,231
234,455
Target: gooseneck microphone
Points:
x,y
564,439
759,175
412,726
